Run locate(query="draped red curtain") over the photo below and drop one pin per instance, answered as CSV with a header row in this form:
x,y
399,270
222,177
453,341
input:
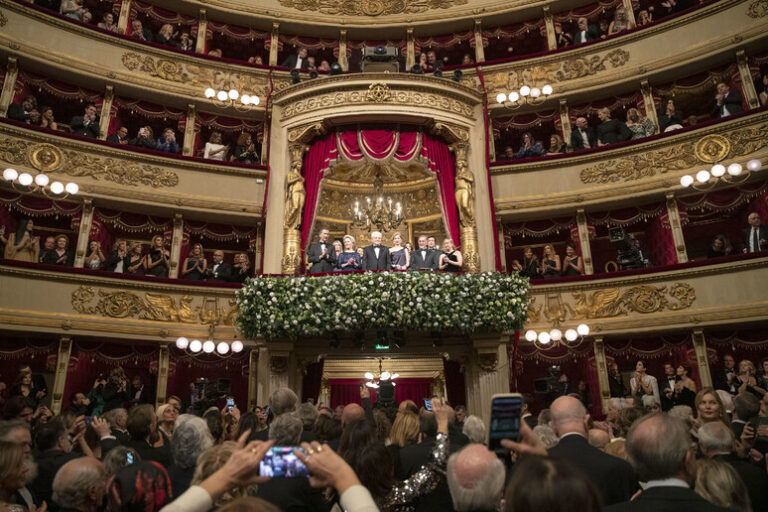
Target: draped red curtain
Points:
x,y
662,245
347,391
316,162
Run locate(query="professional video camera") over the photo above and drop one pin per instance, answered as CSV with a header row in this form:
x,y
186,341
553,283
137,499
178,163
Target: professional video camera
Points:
x,y
628,252
206,394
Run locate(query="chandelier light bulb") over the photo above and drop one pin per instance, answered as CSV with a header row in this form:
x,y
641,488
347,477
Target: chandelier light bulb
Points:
x,y
754,165
525,91
501,97
25,179
735,169
544,338
195,346
222,96
57,187
182,343
237,346
702,176
556,334
369,375
547,90
255,100
222,348
10,174
209,347
210,92
514,96
686,180
233,94
582,329
394,376
571,335
42,180
535,92
72,188
717,170
372,385
384,376
530,335
245,99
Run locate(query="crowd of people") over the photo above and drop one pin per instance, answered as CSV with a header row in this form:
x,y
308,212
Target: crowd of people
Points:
x,y
659,448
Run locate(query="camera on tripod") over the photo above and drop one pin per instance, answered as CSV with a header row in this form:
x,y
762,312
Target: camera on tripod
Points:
x,y
628,252
207,394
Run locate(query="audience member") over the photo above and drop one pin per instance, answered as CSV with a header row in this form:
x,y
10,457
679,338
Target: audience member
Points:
x,y
215,149
727,102
432,61
747,379
720,247
297,60
219,270
13,476
638,125
135,259
195,265
475,430
584,31
671,119
47,120
563,38
530,266
108,22
450,259
167,142
572,263
583,137
667,387
157,260
186,43
72,9
139,32
95,259
54,444
467,60
643,384
376,256
80,485
475,478
725,378
144,138
119,137
241,270
755,237
509,153
23,245
620,21
556,145
322,254
400,256
644,17
245,150
720,484
616,381
610,131
709,408
87,124
602,28
20,112
348,259
216,52
190,439
422,258
60,255
745,407
529,148
166,35
550,263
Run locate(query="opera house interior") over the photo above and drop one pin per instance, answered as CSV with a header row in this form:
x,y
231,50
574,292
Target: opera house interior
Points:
x,y
431,255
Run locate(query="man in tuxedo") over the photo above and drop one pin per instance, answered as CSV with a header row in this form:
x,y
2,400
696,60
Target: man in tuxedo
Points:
x,y
55,449
376,256
615,381
87,124
755,237
321,254
297,61
584,31
422,258
727,102
525,412
660,448
610,131
613,477
219,271
119,137
667,387
21,112
725,377
583,137
142,394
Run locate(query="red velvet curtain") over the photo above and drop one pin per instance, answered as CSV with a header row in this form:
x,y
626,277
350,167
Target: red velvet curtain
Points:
x,y
661,244
316,162
185,368
347,391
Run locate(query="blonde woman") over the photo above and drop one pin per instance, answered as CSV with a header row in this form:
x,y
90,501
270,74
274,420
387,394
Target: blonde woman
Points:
x,y
401,256
719,483
349,259
166,420
450,260
639,126
405,429
158,259
709,408
165,35
135,259
556,145
210,461
95,259
747,379
214,148
195,264
550,263
620,22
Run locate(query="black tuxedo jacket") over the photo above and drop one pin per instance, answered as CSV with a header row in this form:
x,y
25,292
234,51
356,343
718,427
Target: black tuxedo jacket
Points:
x,y
613,477
732,102
371,262
16,111
666,499
577,142
666,403
720,380
290,62
78,126
762,234
147,452
591,34
113,259
238,277
321,265
48,463
224,273
114,138
755,478
418,262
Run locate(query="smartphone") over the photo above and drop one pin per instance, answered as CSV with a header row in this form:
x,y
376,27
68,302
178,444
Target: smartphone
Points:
x,y
506,409
428,404
230,403
88,420
128,458
281,461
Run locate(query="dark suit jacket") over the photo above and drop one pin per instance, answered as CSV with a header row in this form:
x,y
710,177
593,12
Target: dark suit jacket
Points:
x,y
755,478
51,257
78,126
531,420
613,477
238,277
666,499
370,262
613,131
591,34
666,403
224,273
762,234
48,463
147,452
113,138
732,102
16,111
720,380
290,62
577,142
293,494
321,265
113,259
418,262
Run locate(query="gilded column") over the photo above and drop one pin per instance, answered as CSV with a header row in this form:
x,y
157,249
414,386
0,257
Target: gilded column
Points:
x,y
676,226
410,50
163,366
586,249
700,347
84,235
202,31
176,239
9,85
747,85
295,194
273,44
479,48
565,121
253,384
627,4
549,24
60,378
602,372
122,19
491,141
188,149
343,62
650,105
465,203
106,112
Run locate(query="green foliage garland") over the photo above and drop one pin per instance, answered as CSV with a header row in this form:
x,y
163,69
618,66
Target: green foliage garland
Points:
x,y
289,307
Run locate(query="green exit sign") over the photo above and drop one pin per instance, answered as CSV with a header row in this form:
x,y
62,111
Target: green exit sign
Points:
x,y
382,347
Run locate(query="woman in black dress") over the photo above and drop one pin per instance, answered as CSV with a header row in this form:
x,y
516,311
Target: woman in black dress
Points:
x,y
573,265
60,255
685,387
670,117
195,264
450,260
550,263
530,267
156,263
135,260
245,150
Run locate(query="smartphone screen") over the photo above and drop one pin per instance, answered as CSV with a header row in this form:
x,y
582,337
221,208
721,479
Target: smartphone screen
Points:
x,y
129,458
281,461
88,420
230,403
428,404
505,419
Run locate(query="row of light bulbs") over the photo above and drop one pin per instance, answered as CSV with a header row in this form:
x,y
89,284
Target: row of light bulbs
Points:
x,y
525,92
41,180
196,346
546,337
232,94
718,171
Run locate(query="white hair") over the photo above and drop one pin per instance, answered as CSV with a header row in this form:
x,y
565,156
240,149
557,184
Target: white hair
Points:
x,y
191,437
546,435
650,400
715,437
375,233
474,429
618,403
286,429
483,493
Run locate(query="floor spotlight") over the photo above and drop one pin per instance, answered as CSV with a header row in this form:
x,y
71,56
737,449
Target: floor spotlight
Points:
x,y
416,70
335,69
295,76
438,73
312,74
457,75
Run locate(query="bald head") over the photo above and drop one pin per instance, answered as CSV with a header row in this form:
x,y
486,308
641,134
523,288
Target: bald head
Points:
x,y
352,412
598,438
659,446
80,484
476,478
569,415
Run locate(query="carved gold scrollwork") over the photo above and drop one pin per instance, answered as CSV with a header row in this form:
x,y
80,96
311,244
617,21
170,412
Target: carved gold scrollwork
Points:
x,y
487,361
159,68
3,19
642,299
712,148
378,93
45,157
758,9
369,7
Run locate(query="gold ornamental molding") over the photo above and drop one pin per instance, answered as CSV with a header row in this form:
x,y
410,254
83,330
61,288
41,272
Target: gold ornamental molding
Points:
x,y
678,157
50,159
3,19
378,93
370,7
153,306
758,9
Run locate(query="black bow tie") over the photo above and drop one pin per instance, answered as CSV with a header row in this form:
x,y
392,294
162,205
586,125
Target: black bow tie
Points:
x,y
376,246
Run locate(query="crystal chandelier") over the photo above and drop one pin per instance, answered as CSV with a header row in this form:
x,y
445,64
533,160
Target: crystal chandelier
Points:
x,y
378,213
384,376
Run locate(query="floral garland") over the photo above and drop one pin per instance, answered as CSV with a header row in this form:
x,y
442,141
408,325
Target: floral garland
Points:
x,y
289,307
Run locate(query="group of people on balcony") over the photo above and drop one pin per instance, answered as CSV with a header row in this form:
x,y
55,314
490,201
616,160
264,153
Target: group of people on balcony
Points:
x,y
345,256
549,265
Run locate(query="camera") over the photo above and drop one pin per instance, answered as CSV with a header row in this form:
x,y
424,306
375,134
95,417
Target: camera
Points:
x,y
628,252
